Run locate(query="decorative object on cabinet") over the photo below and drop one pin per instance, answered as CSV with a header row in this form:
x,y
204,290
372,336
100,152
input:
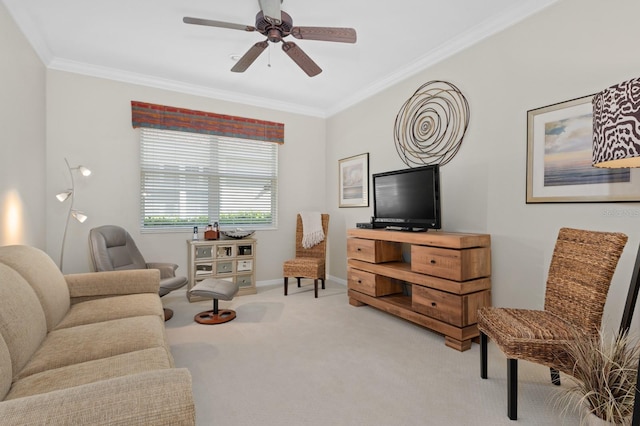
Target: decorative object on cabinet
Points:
x,y
69,194
559,158
442,287
216,289
113,249
580,273
309,262
431,124
232,260
237,233
353,179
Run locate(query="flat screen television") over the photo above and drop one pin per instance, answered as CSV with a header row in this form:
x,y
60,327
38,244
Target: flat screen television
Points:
x,y
408,199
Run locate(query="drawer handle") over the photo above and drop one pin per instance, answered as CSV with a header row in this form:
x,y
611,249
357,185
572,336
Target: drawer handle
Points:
x,y
358,249
433,304
359,281
432,261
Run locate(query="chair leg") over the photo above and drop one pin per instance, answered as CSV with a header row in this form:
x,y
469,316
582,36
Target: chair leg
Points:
x,y
315,287
512,396
555,376
286,285
483,355
322,279
298,278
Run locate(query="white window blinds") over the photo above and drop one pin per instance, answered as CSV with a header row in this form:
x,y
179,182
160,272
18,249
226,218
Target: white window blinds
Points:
x,y
190,179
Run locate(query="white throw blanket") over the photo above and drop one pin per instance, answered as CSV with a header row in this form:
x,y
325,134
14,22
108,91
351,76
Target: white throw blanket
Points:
x,y
312,233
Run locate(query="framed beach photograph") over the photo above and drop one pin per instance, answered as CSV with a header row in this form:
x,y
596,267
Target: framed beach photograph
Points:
x,y
353,181
559,148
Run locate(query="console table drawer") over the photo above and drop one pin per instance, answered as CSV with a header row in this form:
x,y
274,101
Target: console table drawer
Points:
x,y
373,251
457,265
451,308
372,284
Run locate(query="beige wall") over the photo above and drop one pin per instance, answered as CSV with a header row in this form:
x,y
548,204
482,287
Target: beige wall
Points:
x,y
89,123
22,138
572,49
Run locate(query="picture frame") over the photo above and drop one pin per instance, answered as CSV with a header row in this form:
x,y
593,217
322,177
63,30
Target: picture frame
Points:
x,y
559,148
353,181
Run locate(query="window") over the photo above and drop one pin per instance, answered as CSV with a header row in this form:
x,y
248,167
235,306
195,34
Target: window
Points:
x,y
191,179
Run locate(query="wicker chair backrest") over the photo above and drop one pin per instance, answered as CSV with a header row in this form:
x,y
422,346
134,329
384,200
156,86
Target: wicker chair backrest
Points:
x,y
319,250
580,274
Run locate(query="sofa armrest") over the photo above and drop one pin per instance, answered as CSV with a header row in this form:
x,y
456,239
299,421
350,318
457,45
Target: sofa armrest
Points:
x,y
113,283
159,397
167,270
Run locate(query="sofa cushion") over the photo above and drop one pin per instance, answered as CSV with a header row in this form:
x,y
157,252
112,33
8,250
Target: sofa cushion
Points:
x,y
45,278
6,376
94,341
22,321
91,371
109,308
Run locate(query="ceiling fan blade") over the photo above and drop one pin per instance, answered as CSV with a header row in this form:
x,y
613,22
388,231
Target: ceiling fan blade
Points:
x,y
219,24
249,57
301,58
342,35
271,11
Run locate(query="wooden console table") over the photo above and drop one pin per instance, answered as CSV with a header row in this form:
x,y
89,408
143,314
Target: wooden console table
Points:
x,y
442,287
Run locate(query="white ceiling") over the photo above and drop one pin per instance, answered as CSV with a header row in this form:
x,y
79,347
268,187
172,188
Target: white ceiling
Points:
x,y
146,42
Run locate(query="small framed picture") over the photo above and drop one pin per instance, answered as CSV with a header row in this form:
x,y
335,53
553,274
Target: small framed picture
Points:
x,y
353,181
559,150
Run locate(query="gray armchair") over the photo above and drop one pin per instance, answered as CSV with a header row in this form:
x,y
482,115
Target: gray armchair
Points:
x,y
113,249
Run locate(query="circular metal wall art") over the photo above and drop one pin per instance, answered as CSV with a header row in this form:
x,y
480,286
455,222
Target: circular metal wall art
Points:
x,y
431,124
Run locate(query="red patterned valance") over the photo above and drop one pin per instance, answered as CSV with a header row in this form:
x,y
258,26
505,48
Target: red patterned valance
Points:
x,y
187,120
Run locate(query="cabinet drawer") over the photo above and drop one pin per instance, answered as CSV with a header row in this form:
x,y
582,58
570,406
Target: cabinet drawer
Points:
x,y
454,309
224,251
244,265
372,284
373,251
204,252
245,249
458,265
244,280
224,267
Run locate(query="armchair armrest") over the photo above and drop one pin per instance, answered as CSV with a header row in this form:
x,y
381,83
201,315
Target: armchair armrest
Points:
x,y
159,397
113,283
167,270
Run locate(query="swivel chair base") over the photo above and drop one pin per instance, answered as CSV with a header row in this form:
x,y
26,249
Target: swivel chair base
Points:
x,y
216,289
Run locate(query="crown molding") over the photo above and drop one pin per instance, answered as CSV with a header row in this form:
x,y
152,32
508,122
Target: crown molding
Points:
x,y
181,87
473,36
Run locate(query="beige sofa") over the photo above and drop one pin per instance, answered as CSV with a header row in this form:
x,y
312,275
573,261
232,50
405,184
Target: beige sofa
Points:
x,y
85,349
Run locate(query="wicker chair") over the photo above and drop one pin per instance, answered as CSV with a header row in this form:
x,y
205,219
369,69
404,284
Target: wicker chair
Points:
x,y
309,262
580,273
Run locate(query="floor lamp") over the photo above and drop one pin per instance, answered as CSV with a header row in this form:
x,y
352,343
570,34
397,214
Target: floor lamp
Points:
x,y
616,144
69,195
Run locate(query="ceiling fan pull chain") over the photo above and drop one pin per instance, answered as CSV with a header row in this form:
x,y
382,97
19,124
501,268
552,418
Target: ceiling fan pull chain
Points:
x,y
269,61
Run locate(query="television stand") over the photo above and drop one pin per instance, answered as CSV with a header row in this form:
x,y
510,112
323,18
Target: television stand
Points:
x,y
449,276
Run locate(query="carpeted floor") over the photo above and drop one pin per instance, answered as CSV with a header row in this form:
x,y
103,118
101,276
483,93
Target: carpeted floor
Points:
x,y
297,360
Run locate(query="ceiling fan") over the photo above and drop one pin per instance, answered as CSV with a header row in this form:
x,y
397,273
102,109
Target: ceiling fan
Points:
x,y
276,24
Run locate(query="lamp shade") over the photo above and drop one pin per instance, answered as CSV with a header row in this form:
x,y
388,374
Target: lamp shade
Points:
x,y
84,171
64,195
616,126
79,216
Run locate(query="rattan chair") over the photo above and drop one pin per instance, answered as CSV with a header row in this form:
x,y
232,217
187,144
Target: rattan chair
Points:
x,y
580,273
309,262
